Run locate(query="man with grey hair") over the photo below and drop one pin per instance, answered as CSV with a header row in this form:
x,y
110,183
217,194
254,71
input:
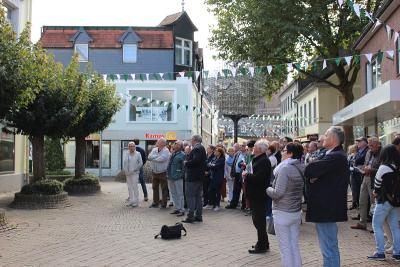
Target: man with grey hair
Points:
x,y
257,180
195,168
132,164
327,183
159,158
175,175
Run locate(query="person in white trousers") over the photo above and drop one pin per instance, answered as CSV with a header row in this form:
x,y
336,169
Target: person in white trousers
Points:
x,y
286,193
132,164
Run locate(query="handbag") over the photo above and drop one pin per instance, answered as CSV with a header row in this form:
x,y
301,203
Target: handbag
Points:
x,y
270,226
171,232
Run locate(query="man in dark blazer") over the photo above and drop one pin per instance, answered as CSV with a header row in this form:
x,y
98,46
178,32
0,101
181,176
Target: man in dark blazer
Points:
x,y
195,168
257,179
328,180
357,176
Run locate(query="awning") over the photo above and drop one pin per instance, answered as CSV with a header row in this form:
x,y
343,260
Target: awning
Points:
x,y
381,104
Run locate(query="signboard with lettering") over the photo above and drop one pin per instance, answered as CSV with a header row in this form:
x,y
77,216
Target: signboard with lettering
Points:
x,y
155,136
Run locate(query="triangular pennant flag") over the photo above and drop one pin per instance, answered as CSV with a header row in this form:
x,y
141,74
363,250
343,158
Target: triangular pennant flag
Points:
x,y
356,8
161,75
187,107
356,59
258,70
269,68
340,3
133,76
233,71
141,76
105,77
305,66
388,31
125,76
153,101
182,74
369,57
297,65
225,72
369,16
178,106
348,60
194,108
118,77
133,97
112,77
243,71
197,73
379,56
251,69
147,76
377,24
290,67
390,54
324,65
396,36
161,103
338,60
206,74
350,4
189,74
139,98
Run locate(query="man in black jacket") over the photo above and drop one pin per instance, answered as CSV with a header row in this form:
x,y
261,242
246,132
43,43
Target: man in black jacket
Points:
x,y
257,180
357,176
328,180
195,168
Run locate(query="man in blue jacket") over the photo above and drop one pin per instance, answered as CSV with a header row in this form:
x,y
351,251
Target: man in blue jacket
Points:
x,y
327,181
175,173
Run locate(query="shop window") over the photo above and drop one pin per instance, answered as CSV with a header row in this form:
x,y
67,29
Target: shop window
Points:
x,y
301,116
7,145
7,12
315,109
374,74
83,51
151,105
305,115
92,158
309,113
129,53
183,52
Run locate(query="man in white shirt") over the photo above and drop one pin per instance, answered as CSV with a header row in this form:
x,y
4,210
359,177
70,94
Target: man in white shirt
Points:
x,y
132,164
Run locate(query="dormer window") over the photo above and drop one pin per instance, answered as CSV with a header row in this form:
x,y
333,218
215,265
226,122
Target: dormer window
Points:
x,y
183,52
83,51
129,53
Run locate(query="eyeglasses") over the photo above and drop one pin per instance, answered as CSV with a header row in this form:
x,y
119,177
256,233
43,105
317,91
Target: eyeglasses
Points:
x,y
284,151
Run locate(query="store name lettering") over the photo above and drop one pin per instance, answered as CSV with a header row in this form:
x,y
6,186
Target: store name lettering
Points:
x,y
168,136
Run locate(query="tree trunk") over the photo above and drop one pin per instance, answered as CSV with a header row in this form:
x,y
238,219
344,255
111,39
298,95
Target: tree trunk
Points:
x,y
38,158
80,154
348,129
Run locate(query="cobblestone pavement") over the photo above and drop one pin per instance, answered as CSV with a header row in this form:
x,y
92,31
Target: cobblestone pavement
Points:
x,y
100,231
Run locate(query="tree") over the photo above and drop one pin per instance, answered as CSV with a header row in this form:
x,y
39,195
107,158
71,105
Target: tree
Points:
x,y
99,103
17,89
281,31
52,111
54,156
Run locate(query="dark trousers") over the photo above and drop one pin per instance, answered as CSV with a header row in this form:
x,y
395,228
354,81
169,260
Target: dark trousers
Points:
x,y
237,187
258,215
206,184
356,181
269,206
160,179
194,192
142,183
214,193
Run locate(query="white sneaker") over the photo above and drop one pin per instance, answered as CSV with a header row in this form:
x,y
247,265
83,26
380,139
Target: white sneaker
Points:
x,y
208,207
216,209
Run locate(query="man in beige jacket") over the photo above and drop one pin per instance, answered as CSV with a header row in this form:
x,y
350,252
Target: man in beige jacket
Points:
x,y
132,164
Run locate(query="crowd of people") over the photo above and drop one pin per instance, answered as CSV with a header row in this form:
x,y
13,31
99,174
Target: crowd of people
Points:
x,y
270,181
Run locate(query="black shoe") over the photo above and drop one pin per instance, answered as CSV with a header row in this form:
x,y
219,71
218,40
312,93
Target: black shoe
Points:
x,y
154,205
175,212
163,207
146,199
171,204
180,214
197,219
257,251
230,207
188,220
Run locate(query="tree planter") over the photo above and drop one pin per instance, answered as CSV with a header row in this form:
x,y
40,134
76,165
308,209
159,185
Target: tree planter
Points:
x,y
38,201
4,225
82,189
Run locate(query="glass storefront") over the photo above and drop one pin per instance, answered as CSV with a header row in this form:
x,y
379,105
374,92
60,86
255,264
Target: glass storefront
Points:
x,y
7,146
92,154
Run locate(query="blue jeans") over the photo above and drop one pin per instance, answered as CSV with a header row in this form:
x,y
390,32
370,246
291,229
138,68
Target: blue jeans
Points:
x,y
387,212
142,183
328,243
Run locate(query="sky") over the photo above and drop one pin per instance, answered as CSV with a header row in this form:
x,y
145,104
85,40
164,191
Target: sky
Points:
x,y
124,13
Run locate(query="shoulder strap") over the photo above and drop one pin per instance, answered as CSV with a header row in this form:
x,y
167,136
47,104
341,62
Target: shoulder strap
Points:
x,y
300,172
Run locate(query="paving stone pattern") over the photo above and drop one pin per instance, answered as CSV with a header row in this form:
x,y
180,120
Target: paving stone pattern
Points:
x,y
99,230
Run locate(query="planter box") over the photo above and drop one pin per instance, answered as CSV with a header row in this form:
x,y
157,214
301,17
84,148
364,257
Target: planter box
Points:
x,y
36,201
82,189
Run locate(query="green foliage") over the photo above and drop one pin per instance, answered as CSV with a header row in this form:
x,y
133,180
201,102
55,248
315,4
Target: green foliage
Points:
x,y
58,172
85,180
43,187
281,31
53,154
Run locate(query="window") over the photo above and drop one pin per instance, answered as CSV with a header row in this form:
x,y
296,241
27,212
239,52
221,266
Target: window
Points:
x,y
92,158
7,143
301,116
305,115
309,113
83,51
183,52
7,11
129,53
398,55
152,105
373,74
315,109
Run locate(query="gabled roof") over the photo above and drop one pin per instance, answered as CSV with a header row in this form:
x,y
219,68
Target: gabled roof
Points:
x,y
175,18
130,37
107,37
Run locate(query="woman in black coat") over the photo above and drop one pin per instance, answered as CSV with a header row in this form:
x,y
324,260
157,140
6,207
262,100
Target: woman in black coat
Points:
x,y
217,168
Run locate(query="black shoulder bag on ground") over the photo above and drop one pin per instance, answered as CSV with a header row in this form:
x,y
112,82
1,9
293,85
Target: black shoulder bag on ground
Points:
x,y
394,196
171,232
